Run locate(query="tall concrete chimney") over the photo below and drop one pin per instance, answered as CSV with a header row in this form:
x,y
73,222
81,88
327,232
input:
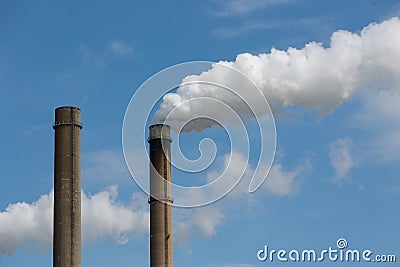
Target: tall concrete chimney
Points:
x,y
160,201
67,188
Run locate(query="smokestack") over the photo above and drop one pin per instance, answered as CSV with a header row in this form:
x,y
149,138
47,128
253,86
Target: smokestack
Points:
x,y
160,200
67,188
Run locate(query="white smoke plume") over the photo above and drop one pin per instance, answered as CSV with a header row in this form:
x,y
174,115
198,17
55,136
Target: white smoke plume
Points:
x,y
30,225
314,77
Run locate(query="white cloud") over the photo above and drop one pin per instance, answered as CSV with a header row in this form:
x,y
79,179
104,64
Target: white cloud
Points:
x,y
24,224
104,216
204,221
120,48
279,181
314,77
341,157
282,182
198,222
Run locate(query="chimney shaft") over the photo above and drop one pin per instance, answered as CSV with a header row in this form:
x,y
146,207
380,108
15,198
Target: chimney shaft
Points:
x,y
161,253
67,188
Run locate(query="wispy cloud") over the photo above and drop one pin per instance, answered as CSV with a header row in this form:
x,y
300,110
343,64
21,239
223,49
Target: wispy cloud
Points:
x,y
341,156
248,27
100,57
35,128
231,32
280,181
90,57
394,11
378,113
120,48
198,222
105,166
283,182
243,7
204,221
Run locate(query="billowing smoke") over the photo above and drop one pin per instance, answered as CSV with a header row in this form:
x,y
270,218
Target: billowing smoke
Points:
x,y
314,77
30,225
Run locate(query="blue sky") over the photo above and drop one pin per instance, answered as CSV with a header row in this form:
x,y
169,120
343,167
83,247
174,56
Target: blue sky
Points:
x,y
336,171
